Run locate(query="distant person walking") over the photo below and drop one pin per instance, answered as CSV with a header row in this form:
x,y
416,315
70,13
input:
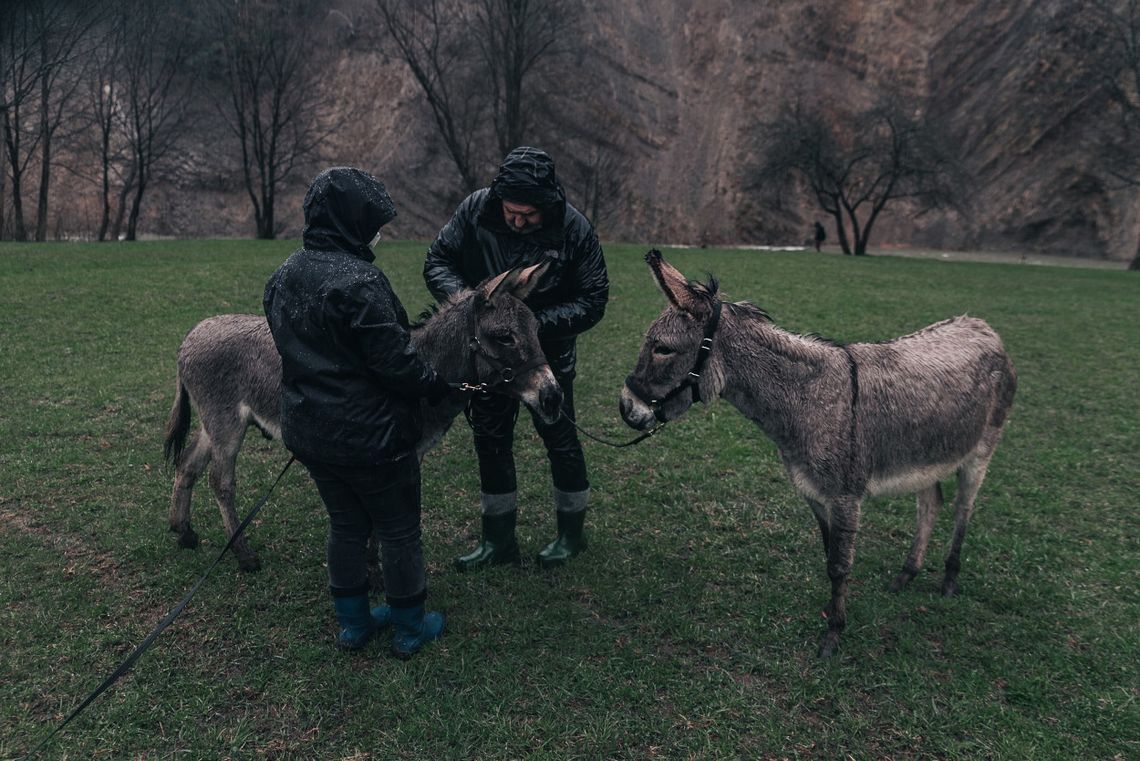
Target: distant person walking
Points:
x,y
820,235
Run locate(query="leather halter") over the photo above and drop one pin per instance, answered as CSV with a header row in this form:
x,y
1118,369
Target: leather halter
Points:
x,y
692,380
506,373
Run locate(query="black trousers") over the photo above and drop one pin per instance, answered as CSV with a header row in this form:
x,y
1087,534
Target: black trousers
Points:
x,y
493,423
385,497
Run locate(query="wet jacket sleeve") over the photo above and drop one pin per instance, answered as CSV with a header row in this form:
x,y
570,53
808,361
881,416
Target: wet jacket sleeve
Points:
x,y
442,271
385,343
590,289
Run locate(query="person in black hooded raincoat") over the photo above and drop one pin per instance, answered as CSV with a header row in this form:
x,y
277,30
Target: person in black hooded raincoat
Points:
x,y
350,407
524,218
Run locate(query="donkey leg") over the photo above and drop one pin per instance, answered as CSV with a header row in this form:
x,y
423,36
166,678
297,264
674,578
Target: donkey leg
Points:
x,y
840,558
187,470
929,503
820,511
970,477
224,484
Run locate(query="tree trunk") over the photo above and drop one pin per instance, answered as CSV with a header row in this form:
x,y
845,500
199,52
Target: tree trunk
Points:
x,y
841,232
45,160
133,219
3,187
105,191
860,235
12,149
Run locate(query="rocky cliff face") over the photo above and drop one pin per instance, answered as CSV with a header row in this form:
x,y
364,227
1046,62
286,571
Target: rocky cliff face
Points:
x,y
690,82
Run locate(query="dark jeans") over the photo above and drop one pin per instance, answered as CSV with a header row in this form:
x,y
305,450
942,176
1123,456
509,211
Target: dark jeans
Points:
x,y
385,497
493,422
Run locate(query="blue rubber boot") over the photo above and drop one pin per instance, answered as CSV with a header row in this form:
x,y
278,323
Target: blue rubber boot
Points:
x,y
414,629
357,622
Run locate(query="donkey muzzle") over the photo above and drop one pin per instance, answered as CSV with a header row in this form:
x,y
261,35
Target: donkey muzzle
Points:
x,y
635,412
550,402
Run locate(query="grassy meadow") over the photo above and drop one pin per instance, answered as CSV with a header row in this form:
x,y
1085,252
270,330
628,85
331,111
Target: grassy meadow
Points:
x,y
689,628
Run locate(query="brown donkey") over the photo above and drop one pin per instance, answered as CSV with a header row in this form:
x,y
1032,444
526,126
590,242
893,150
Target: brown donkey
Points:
x,y
851,421
229,369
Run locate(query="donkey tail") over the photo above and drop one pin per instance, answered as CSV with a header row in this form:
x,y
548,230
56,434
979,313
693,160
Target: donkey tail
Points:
x,y
178,425
1006,390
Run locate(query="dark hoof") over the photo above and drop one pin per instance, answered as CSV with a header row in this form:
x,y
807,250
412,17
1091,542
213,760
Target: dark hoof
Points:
x,y
901,581
188,539
249,563
949,588
829,646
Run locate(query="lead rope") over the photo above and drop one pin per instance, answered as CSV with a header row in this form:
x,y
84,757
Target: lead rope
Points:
x,y
600,440
125,666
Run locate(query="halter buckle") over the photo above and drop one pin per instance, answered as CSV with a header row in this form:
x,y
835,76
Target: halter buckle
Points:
x,y
473,388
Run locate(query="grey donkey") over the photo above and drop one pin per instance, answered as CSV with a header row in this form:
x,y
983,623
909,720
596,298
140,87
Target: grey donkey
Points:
x,y
851,421
229,370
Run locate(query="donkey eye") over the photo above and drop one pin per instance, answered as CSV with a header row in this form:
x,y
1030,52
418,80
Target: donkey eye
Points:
x,y
662,350
506,339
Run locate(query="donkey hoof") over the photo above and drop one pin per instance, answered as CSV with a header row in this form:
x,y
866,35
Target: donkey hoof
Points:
x,y
949,588
829,646
901,581
249,563
188,539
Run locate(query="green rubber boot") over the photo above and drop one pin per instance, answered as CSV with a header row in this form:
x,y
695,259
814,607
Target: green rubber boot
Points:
x,y
498,545
571,539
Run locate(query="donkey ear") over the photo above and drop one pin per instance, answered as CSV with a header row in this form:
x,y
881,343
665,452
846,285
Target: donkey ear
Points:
x,y
499,284
528,279
671,282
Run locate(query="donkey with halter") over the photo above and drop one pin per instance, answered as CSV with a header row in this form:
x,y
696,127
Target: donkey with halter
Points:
x,y
851,421
482,340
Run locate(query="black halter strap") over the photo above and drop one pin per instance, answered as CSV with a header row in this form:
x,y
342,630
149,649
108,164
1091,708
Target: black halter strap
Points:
x,y
506,372
693,379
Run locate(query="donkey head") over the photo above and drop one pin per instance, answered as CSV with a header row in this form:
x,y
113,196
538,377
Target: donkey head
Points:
x,y
504,340
666,381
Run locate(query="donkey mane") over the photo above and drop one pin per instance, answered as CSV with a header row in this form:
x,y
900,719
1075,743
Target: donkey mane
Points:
x,y
747,309
710,290
431,311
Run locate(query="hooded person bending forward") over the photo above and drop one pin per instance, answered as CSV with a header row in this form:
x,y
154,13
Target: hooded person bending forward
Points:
x,y
524,218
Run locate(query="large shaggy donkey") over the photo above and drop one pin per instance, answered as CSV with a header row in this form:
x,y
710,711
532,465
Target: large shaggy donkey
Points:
x,y
851,421
229,370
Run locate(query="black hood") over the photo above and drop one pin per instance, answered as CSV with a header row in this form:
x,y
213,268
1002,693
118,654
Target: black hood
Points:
x,y
527,176
344,209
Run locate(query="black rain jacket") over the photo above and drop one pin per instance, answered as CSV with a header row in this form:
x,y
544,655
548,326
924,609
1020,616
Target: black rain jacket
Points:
x,y
350,378
477,243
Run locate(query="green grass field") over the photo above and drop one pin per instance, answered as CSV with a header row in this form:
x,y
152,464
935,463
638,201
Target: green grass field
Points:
x,y
690,627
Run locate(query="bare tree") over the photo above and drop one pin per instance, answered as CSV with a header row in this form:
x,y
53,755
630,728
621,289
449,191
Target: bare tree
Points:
x,y
39,45
517,38
104,137
154,94
434,38
65,30
856,165
1107,35
273,103
19,41
523,64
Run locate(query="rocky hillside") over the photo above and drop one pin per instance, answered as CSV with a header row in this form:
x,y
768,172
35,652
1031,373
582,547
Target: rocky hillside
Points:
x,y
691,81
